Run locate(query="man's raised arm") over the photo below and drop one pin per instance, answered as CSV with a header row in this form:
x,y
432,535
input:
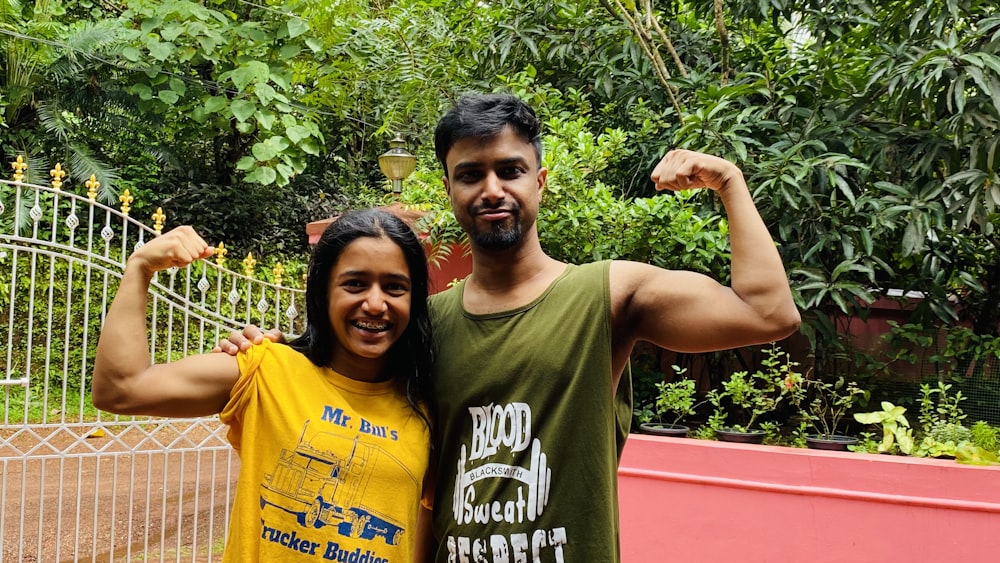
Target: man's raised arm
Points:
x,y
690,312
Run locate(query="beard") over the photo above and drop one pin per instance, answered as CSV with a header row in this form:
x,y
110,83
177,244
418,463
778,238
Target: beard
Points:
x,y
500,236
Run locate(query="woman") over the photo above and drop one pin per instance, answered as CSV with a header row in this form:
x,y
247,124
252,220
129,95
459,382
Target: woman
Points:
x,y
332,430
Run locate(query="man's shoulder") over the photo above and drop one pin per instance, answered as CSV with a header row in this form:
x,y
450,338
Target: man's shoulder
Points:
x,y
589,269
450,295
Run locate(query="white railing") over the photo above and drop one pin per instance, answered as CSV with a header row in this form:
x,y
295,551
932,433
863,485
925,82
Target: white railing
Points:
x,y
77,484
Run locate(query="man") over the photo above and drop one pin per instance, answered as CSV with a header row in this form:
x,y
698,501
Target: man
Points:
x,y
530,351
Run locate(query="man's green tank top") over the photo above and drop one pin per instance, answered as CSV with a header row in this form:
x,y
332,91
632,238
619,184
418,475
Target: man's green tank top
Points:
x,y
529,429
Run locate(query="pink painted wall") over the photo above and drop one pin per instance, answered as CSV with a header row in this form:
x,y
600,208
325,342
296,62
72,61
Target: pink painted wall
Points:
x,y
691,501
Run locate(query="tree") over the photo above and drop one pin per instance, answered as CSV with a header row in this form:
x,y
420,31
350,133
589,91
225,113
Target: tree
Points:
x,y
52,81
225,78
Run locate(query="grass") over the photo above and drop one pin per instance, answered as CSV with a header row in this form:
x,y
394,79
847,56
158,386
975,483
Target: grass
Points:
x,y
40,409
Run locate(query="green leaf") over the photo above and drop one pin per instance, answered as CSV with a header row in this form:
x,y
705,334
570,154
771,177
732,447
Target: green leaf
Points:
x,y
269,148
912,240
868,417
263,175
215,103
264,92
243,109
177,85
160,51
296,27
171,32
290,51
143,91
168,96
150,24
241,77
252,72
131,54
265,119
310,146
314,45
246,163
285,172
296,133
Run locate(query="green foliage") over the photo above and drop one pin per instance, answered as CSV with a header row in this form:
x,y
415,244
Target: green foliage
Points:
x,y
866,444
831,401
896,432
985,436
745,396
940,408
49,295
52,84
868,133
958,355
676,398
231,70
646,375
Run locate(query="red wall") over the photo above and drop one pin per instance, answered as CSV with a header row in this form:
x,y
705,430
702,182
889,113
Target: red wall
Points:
x,y
440,273
691,501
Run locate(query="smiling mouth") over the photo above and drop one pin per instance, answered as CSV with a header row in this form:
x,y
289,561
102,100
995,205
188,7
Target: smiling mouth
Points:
x,y
372,326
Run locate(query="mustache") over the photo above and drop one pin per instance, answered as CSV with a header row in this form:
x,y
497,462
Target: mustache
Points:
x,y
481,207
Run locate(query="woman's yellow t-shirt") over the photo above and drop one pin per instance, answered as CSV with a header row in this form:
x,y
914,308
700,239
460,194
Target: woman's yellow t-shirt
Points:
x,y
331,468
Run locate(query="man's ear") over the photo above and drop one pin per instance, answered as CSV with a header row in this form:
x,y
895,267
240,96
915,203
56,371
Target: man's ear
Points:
x,y
543,173
447,186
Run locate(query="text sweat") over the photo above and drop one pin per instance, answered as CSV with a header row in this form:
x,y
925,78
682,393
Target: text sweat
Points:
x,y
497,432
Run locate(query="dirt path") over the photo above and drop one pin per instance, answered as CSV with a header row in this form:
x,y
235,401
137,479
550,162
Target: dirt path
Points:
x,y
156,504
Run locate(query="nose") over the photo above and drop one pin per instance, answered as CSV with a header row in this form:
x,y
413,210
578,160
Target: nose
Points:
x,y
492,187
374,303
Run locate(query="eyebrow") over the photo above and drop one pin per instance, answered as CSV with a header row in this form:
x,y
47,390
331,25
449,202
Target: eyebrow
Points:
x,y
500,162
368,273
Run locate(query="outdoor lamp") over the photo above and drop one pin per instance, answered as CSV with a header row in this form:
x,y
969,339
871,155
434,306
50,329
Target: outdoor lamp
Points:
x,y
397,163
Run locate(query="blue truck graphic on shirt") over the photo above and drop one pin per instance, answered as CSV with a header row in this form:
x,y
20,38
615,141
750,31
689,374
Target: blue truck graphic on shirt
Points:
x,y
322,488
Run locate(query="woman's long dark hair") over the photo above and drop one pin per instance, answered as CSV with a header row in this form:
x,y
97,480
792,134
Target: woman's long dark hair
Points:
x,y
409,359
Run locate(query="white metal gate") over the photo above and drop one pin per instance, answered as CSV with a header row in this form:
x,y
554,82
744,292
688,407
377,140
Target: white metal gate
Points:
x,y
78,484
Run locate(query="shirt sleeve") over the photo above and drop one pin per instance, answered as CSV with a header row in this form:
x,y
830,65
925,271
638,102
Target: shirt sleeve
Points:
x,y
244,391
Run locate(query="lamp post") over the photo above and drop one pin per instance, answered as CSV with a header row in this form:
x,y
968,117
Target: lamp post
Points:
x,y
397,163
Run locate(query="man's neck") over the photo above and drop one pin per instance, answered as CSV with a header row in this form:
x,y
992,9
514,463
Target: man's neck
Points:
x,y
502,280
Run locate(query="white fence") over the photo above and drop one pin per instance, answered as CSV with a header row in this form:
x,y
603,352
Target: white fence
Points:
x,y
81,485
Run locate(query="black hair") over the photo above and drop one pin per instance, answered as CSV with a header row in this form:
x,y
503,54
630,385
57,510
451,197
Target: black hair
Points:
x,y
409,359
484,116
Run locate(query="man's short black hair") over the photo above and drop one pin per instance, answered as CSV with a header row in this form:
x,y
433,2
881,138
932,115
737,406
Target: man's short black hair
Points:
x,y
484,116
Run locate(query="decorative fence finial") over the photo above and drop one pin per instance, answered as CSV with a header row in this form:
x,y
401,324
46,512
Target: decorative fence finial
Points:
x,y
158,218
126,199
278,272
220,254
248,265
57,174
19,167
92,185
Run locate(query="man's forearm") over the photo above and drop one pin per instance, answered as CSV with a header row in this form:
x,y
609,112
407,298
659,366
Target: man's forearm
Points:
x,y
758,275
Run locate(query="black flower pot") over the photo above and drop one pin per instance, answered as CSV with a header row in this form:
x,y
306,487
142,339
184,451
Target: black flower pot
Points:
x,y
664,429
830,442
740,436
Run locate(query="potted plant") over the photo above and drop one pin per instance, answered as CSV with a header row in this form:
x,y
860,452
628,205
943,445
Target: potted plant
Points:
x,y
675,401
831,401
745,397
896,432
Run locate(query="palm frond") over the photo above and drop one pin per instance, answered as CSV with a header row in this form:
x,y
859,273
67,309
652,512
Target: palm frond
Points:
x,y
51,118
83,164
